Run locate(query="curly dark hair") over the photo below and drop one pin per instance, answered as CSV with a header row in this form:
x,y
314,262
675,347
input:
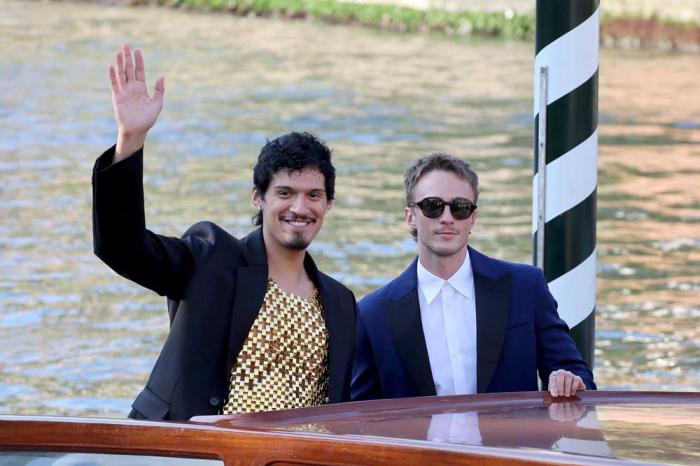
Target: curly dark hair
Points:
x,y
292,152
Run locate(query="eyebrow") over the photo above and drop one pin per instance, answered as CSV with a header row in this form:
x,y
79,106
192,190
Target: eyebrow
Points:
x,y
289,188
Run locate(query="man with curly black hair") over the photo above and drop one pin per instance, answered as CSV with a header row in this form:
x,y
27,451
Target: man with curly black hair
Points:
x,y
254,325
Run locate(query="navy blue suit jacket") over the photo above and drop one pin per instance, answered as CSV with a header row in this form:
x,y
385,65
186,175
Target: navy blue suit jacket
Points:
x,y
519,334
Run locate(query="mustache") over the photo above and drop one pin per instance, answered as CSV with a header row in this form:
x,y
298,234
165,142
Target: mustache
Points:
x,y
297,218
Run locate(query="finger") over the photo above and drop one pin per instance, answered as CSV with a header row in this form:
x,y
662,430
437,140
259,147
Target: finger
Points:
x,y
561,412
159,91
560,383
568,382
140,74
113,79
121,77
554,411
552,385
569,412
128,64
579,386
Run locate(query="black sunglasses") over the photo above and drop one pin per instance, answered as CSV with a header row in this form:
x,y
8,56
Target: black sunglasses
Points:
x,y
433,207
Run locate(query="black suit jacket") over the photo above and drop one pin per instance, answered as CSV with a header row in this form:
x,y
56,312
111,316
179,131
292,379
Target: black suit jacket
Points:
x,y
215,286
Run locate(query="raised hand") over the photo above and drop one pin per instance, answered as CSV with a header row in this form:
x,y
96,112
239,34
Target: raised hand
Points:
x,y
135,111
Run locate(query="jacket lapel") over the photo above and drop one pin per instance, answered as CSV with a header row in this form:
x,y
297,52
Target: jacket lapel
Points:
x,y
251,286
341,324
492,288
403,312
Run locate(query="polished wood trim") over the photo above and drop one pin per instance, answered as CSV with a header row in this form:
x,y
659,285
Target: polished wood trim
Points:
x,y
425,406
237,447
258,439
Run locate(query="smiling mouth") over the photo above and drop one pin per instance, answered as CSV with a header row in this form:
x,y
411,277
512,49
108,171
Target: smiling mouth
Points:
x,y
299,221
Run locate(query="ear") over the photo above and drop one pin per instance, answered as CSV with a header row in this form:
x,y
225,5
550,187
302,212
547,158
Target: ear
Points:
x,y
329,206
410,218
256,199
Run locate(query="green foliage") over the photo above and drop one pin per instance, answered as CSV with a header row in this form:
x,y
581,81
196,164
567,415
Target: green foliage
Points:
x,y
384,16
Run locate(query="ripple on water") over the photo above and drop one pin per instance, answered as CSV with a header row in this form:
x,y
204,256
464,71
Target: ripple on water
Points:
x,y
13,390
677,244
687,124
380,103
116,406
22,318
47,164
362,282
362,249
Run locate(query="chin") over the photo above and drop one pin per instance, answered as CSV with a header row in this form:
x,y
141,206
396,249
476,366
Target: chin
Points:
x,y
447,251
297,245
297,242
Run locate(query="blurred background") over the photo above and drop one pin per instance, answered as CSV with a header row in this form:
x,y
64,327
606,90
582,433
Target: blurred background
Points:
x,y
77,339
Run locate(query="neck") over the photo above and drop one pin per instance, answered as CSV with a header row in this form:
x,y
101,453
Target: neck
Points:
x,y
286,268
442,266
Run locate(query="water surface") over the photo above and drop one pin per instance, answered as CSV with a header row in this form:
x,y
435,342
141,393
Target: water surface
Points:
x,y
78,339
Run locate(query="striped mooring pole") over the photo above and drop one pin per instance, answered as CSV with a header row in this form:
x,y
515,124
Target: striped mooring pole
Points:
x,y
566,143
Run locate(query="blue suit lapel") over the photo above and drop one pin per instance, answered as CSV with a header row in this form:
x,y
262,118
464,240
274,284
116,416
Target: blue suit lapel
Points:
x,y
403,311
492,288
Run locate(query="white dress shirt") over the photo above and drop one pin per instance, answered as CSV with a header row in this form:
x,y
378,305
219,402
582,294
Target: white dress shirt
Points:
x,y
448,316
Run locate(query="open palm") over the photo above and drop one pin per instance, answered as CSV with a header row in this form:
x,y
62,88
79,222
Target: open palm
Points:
x,y
136,112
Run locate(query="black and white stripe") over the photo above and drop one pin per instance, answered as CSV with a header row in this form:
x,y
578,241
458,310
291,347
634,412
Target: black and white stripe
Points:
x,y
567,43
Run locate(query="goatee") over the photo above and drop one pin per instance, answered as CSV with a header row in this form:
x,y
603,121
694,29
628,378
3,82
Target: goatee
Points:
x,y
298,242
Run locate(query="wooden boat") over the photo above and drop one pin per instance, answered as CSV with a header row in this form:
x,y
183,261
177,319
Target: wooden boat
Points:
x,y
509,428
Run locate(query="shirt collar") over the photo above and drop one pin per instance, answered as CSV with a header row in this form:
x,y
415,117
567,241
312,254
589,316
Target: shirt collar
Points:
x,y
462,281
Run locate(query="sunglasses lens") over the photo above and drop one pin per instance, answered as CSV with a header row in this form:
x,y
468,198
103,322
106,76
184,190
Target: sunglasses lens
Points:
x,y
432,207
461,209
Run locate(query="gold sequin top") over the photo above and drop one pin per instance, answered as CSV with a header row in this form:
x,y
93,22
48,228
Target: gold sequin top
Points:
x,y
283,362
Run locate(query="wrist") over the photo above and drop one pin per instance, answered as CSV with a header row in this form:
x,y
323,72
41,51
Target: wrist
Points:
x,y
127,144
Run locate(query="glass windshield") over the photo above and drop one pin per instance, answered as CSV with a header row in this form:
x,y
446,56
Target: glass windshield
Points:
x,y
32,458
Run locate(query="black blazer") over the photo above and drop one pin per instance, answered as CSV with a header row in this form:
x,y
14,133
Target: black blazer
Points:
x,y
215,286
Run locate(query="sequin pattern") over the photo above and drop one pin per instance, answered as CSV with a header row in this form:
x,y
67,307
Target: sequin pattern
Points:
x,y
283,362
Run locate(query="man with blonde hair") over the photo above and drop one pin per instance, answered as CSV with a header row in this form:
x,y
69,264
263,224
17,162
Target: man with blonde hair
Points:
x,y
456,321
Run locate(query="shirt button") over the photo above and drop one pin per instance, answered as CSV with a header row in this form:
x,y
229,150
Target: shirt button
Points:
x,y
214,401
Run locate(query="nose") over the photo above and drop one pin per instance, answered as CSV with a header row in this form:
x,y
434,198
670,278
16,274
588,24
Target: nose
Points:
x,y
446,216
299,206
